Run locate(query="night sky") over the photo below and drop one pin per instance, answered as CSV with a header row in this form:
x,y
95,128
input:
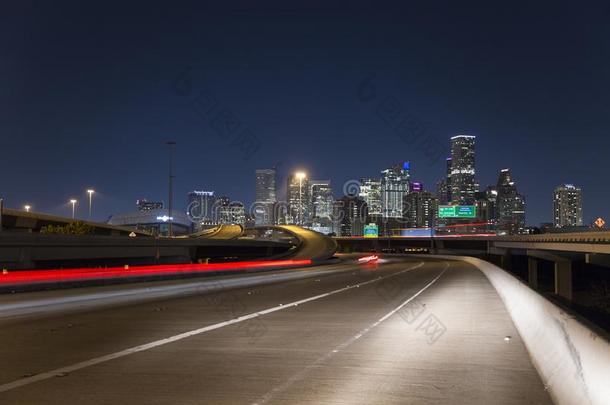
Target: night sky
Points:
x,y
89,94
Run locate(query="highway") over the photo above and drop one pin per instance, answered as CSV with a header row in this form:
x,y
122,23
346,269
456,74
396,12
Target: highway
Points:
x,y
222,232
314,245
402,331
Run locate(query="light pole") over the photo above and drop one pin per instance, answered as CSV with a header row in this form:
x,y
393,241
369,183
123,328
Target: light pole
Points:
x,y
26,208
171,145
301,176
90,192
73,202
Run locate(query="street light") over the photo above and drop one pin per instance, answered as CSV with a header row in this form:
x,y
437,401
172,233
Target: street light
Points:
x,y
171,145
90,192
301,176
26,208
73,202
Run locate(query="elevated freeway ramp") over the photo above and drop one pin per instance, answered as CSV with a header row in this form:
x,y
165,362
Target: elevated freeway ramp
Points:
x,y
311,245
221,232
399,331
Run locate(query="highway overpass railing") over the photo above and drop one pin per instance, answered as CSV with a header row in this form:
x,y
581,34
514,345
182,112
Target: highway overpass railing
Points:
x,y
572,358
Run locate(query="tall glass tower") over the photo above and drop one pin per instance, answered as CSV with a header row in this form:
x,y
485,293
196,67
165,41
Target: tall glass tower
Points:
x,y
444,186
265,197
201,207
463,183
299,199
510,205
322,201
395,184
370,191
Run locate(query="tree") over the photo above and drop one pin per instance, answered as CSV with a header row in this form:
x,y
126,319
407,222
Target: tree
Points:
x,y
73,228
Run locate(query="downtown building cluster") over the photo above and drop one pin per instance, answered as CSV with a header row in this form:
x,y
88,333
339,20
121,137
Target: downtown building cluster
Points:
x,y
398,205
394,204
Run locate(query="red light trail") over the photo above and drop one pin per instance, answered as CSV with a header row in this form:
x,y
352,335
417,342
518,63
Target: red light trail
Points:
x,y
89,273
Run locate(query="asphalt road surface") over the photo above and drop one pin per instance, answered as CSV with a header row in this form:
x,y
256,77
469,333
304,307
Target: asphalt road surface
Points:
x,y
403,331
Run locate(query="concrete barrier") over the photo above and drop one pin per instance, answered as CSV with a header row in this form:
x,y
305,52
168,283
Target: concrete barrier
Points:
x,y
572,359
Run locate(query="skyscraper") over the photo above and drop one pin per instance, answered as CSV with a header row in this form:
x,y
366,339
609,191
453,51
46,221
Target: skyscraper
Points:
x,y
351,214
487,206
235,213
299,199
221,210
201,208
443,190
370,191
420,209
322,200
567,206
463,183
265,185
265,197
510,205
394,186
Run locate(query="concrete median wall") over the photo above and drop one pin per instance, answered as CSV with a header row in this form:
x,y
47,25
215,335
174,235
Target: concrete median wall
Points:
x,y
572,359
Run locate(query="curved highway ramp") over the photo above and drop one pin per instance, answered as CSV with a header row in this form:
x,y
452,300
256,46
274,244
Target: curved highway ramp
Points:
x,y
311,245
222,232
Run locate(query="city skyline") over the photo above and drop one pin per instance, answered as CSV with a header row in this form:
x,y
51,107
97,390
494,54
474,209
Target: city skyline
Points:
x,y
539,122
379,202
281,195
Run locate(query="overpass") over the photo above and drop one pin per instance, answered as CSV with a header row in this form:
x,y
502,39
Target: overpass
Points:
x,y
227,243
219,232
561,249
32,222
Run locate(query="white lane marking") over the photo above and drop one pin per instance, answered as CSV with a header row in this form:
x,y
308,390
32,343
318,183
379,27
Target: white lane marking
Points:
x,y
102,359
298,376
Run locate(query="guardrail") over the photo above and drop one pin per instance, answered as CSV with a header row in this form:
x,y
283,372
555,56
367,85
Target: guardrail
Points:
x,y
572,359
572,237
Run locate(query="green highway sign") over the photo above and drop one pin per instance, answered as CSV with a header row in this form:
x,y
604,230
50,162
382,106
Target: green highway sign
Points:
x,y
457,211
466,211
446,211
371,231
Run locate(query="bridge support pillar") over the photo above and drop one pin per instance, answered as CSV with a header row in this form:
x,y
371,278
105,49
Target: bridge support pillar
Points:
x,y
563,279
504,256
598,259
563,271
532,272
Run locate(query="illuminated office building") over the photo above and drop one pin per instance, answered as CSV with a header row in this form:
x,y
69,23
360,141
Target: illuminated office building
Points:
x,y
350,216
201,206
265,197
510,205
421,209
395,185
567,206
370,191
322,200
462,181
299,199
